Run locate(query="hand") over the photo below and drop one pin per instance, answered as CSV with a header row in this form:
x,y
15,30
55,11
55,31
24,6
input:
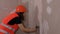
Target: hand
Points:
x,y
33,29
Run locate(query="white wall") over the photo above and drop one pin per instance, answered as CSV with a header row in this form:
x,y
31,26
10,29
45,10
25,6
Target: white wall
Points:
x,y
52,15
6,6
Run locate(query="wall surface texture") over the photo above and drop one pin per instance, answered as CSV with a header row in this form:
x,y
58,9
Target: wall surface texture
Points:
x,y
51,14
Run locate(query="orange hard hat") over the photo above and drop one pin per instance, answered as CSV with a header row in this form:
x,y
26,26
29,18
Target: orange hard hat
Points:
x,y
20,8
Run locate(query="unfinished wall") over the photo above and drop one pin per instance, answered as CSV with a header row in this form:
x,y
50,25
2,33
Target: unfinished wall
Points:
x,y
6,6
51,14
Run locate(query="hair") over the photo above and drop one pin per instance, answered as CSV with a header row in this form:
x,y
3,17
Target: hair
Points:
x,y
21,15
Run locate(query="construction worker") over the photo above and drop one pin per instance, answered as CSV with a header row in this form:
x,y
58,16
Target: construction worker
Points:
x,y
12,22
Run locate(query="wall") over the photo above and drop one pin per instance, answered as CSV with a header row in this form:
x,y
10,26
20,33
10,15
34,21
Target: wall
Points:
x,y
6,6
51,14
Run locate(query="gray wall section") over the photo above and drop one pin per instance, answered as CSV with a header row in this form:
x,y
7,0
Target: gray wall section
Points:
x,y
54,18
6,6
